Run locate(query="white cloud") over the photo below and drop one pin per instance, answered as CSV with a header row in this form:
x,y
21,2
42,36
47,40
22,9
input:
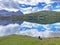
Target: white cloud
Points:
x,y
8,29
35,33
30,10
57,10
10,5
11,9
32,2
57,6
13,5
27,28
26,10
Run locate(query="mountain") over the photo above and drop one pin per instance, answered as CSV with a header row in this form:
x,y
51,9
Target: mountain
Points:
x,y
7,13
27,40
42,17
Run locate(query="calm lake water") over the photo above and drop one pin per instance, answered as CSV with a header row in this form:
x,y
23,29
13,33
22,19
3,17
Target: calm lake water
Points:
x,y
6,22
8,27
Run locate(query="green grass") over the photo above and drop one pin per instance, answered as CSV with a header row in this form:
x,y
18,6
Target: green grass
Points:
x,y
26,40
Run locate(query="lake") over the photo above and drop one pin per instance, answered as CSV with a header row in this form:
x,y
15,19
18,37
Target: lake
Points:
x,y
8,27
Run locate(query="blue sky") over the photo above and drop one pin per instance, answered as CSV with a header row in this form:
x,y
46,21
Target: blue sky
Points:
x,y
42,5
39,5
28,6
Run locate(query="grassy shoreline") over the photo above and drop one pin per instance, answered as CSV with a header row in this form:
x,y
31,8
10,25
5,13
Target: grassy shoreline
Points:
x,y
27,40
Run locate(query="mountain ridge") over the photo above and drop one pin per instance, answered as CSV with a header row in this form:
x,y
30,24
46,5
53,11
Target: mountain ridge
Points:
x,y
42,17
7,13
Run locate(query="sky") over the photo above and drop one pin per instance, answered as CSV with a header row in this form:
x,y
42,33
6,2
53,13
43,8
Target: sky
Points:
x,y
30,29
28,6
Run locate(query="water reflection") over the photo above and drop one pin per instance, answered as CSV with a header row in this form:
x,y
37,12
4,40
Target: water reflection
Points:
x,y
6,22
8,27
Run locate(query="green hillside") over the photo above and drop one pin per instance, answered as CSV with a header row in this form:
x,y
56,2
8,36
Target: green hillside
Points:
x,y
42,17
26,40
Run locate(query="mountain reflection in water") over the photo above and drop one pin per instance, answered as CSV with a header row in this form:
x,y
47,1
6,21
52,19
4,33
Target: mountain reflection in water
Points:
x,y
6,22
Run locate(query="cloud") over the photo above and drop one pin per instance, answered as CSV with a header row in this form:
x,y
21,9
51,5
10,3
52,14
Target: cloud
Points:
x,y
10,5
32,8
26,28
26,10
34,2
8,29
29,6
30,29
35,33
41,6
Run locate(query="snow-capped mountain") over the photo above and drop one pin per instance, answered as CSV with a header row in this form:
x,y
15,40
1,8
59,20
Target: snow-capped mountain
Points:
x,y
28,6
